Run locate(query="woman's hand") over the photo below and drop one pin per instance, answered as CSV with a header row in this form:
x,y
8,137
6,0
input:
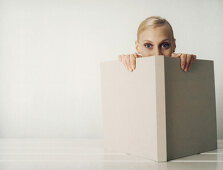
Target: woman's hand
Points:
x,y
129,60
186,60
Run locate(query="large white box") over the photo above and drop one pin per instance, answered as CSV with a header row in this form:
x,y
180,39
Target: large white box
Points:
x,y
158,111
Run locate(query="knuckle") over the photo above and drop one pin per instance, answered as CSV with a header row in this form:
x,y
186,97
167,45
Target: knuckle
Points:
x,y
182,56
132,62
189,57
126,56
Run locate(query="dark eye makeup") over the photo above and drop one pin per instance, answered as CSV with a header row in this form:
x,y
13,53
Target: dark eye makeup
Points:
x,y
148,45
164,45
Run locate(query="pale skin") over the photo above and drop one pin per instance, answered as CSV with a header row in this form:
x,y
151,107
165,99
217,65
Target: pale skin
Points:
x,y
156,41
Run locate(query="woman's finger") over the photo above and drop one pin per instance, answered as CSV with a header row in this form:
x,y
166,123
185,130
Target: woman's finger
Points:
x,y
123,60
193,58
188,62
127,62
132,62
183,58
137,55
176,55
120,57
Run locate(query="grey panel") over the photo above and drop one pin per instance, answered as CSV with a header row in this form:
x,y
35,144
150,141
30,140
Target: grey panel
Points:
x,y
190,108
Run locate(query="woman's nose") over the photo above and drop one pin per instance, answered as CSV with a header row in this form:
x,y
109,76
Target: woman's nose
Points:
x,y
157,51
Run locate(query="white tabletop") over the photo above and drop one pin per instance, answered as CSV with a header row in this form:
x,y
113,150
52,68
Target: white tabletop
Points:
x,y
88,154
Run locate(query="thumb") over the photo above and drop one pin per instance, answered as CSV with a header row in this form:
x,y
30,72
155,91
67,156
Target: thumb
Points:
x,y
177,55
137,55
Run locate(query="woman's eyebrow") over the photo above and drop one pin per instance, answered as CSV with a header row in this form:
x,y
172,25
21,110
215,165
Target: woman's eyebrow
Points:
x,y
166,40
148,41
161,41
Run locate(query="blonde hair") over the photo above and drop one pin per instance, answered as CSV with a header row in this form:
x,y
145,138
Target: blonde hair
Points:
x,y
153,21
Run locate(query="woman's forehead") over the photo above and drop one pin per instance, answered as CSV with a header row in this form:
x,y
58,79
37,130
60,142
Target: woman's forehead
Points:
x,y
156,34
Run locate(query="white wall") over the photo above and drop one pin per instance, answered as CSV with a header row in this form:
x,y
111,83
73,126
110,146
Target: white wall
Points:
x,y
50,52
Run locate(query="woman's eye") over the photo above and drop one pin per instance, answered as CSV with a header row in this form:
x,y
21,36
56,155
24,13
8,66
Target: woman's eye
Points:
x,y
166,45
148,45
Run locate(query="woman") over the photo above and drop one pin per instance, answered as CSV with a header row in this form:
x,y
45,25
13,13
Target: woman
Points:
x,y
155,37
